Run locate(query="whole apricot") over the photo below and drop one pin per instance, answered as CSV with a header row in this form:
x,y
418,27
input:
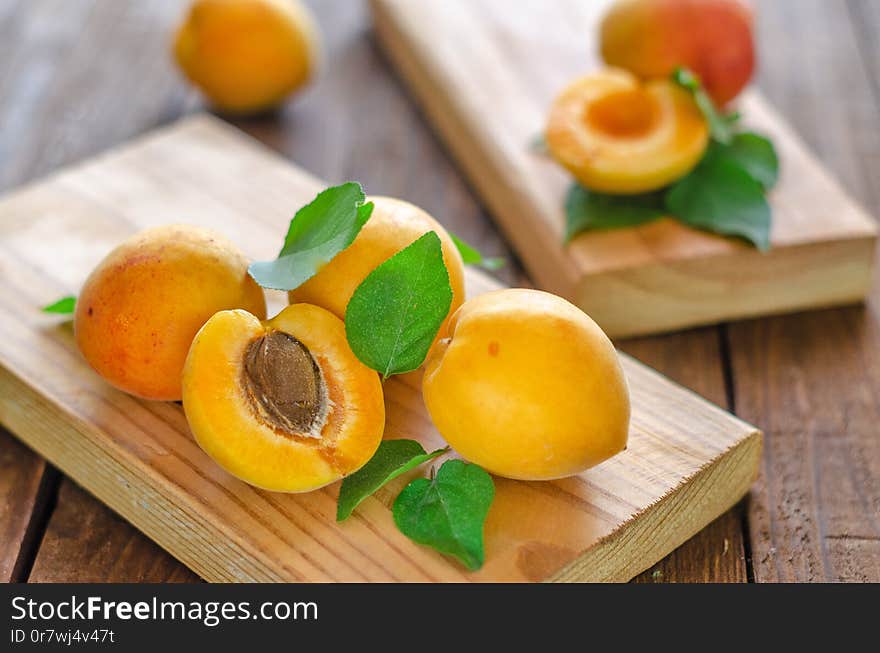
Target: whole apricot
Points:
x,y
282,404
713,38
616,134
393,225
528,386
247,56
142,305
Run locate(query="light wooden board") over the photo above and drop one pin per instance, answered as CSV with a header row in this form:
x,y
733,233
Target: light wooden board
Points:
x,y
485,73
687,462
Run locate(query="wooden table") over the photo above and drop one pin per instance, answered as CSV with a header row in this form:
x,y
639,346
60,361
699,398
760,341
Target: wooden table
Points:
x,y
79,77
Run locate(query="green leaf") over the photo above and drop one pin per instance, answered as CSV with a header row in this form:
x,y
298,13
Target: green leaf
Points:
x,y
448,511
64,306
394,315
585,209
392,458
317,233
719,125
471,256
721,196
757,155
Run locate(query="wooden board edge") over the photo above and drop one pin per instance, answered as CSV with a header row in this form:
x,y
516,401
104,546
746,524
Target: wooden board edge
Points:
x,y
695,503
121,485
839,273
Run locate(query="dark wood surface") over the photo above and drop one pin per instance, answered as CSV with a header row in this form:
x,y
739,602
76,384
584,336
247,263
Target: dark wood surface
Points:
x,y
78,77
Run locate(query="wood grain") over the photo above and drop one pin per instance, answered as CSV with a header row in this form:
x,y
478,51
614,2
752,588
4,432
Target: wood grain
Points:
x,y
85,545
488,97
687,461
63,97
717,553
813,380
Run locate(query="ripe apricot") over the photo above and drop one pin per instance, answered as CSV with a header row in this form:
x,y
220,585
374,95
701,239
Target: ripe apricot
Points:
x,y
393,225
528,386
247,55
651,38
617,135
142,305
282,404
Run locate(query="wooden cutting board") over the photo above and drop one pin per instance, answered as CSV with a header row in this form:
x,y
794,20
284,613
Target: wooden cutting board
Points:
x,y
687,460
485,73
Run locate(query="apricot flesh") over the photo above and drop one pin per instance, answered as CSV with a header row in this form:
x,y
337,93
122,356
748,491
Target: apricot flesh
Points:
x,y
141,307
617,135
713,38
528,386
393,225
282,404
247,56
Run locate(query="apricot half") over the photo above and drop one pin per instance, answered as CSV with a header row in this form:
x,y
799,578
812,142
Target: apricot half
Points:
x,y
393,225
282,404
528,386
617,135
141,307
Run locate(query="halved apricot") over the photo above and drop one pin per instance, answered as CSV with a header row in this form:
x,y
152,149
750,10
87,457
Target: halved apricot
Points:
x,y
283,404
617,135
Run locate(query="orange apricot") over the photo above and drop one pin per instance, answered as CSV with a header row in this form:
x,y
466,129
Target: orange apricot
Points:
x,y
393,225
282,404
713,38
246,56
528,386
142,305
617,135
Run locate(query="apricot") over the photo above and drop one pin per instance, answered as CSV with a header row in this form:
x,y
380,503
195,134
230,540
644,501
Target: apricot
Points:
x,y
247,56
282,404
528,386
713,38
393,225
142,305
617,135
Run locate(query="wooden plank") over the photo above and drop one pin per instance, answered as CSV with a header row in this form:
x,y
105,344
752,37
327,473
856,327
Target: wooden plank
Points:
x,y
26,483
61,98
86,543
813,380
717,553
687,461
488,98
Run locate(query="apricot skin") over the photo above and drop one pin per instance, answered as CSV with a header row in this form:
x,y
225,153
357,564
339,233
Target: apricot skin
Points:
x,y
142,305
650,38
393,225
228,429
246,56
617,135
527,386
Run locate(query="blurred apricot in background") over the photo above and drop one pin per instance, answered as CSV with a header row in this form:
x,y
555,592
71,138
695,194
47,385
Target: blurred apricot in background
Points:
x,y
247,56
713,38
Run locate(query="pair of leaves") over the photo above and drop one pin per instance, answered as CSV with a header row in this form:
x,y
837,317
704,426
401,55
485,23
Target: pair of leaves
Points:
x,y
446,512
395,313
